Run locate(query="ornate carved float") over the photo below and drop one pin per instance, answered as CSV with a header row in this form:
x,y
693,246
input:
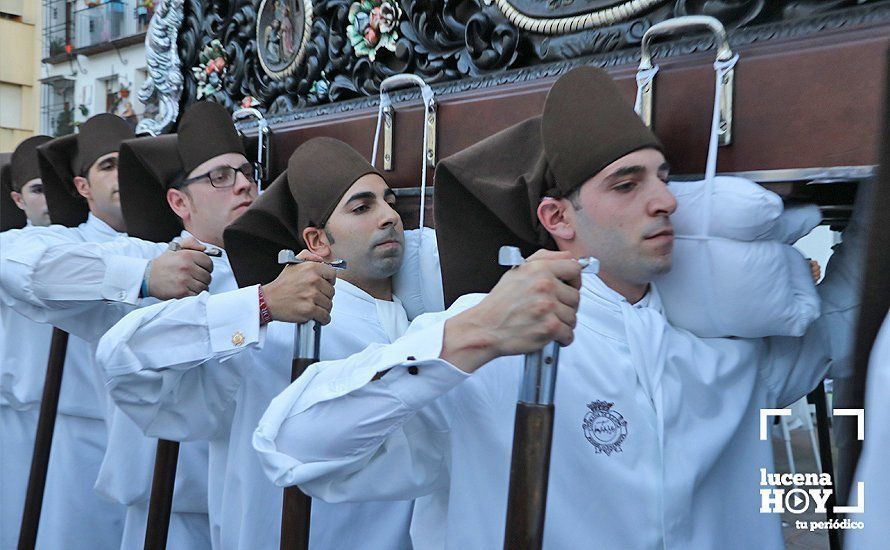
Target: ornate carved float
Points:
x,y
807,86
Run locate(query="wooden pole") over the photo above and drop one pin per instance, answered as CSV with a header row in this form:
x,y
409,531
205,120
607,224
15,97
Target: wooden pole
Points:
x,y
530,463
529,474
160,504
817,396
297,506
46,424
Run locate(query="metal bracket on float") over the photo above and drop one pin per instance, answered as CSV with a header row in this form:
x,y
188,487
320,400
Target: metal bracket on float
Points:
x,y
431,134
388,113
264,151
646,72
388,120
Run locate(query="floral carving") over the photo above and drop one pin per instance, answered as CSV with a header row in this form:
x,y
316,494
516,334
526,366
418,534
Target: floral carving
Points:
x,y
211,69
354,44
372,26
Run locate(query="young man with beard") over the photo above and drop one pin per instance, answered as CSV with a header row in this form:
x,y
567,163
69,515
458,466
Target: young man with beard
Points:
x,y
24,346
655,436
229,360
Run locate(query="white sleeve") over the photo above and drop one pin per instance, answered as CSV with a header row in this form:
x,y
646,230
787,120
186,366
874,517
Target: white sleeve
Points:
x,y
19,255
797,365
82,288
174,367
342,433
112,271
794,366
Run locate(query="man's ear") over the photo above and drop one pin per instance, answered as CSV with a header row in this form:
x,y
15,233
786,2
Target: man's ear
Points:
x,y
317,242
180,203
552,215
83,187
17,199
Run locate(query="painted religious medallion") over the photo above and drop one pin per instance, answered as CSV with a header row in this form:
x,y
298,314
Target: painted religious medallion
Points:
x,y
283,28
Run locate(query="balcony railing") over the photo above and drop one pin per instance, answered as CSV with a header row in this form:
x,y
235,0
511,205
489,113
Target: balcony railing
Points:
x,y
55,41
108,21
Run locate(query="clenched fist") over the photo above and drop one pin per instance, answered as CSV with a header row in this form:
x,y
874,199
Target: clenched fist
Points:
x,y
302,292
531,305
180,273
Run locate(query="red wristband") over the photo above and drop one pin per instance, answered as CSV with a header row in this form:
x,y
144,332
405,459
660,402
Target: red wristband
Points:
x,y
265,314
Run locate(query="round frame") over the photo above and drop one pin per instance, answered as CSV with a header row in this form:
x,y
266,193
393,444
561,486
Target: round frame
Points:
x,y
304,40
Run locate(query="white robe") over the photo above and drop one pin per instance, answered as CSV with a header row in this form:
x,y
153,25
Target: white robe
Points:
x,y
65,284
872,470
73,515
655,434
24,349
177,369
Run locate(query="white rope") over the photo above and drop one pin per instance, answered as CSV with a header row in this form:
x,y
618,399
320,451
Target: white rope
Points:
x,y
385,102
644,78
720,68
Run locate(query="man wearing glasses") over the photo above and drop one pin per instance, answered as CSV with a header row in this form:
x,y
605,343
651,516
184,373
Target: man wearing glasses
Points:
x,y
191,184
222,190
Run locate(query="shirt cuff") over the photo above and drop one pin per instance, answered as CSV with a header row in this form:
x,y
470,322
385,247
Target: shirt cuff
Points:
x,y
421,377
123,279
234,319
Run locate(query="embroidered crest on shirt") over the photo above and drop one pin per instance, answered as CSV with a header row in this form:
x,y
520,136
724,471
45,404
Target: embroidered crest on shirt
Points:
x,y
604,428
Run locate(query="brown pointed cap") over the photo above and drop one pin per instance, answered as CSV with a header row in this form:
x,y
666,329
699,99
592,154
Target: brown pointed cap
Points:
x,y
270,225
487,195
149,166
63,158
98,136
146,167
318,173
206,131
587,125
23,164
11,216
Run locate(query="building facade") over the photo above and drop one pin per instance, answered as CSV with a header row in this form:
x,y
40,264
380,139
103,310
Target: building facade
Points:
x,y
93,54
19,71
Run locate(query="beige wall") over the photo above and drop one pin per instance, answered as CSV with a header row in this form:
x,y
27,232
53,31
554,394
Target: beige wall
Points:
x,y
26,9
19,71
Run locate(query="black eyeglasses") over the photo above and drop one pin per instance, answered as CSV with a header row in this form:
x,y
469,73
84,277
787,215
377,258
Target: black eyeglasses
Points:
x,y
224,176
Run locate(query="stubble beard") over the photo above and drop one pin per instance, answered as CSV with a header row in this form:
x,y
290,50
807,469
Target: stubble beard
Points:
x,y
384,267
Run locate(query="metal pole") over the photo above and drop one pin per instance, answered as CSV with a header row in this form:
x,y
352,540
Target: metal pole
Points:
x,y
532,435
46,424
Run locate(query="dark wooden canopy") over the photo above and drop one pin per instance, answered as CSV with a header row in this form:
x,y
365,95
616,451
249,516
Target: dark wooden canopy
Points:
x,y
800,103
